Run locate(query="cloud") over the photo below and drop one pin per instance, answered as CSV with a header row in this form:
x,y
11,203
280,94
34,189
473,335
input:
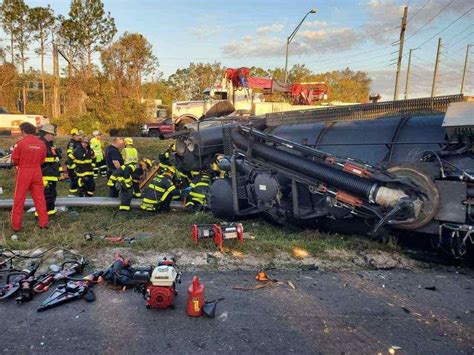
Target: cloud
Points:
x,y
330,39
274,28
316,24
385,17
203,32
420,82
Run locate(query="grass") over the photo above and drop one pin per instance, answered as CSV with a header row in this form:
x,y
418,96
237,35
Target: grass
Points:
x,y
169,231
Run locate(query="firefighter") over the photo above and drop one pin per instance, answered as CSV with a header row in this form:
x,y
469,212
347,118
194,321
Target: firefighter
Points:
x,y
159,193
165,158
196,198
129,153
28,155
73,144
144,165
51,168
84,160
97,147
123,179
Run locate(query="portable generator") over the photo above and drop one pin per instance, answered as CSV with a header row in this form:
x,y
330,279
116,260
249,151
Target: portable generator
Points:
x,y
218,233
161,289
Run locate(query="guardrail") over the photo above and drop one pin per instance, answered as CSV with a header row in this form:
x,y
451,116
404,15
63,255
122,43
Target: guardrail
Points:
x,y
426,105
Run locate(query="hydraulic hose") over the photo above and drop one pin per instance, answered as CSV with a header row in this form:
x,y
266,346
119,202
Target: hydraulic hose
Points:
x,y
339,179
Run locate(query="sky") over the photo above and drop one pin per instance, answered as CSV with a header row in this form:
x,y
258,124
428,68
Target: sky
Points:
x,y
359,34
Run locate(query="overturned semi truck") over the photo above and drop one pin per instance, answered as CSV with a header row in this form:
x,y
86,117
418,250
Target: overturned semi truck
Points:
x,y
391,166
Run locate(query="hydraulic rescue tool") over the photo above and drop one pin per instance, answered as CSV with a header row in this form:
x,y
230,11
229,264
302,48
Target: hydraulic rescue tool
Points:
x,y
32,285
14,280
73,289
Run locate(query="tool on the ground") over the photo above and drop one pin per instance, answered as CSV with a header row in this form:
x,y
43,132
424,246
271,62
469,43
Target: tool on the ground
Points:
x,y
35,285
161,288
209,308
73,289
14,280
264,281
115,240
218,233
121,273
196,293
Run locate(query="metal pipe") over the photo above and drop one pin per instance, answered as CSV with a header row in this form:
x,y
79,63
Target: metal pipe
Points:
x,y
84,202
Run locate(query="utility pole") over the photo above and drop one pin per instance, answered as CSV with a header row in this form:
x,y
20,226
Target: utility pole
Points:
x,y
408,73
465,68
400,51
55,108
435,74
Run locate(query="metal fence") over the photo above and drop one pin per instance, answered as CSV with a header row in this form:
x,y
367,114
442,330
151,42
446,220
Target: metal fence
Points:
x,y
363,111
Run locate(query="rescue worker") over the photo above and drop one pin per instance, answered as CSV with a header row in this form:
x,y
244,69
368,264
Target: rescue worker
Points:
x,y
198,190
96,145
165,159
145,164
159,193
129,153
124,179
114,161
84,160
27,156
72,145
51,167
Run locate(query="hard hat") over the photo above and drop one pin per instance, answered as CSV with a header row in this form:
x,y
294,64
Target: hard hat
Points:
x,y
96,133
147,162
128,141
74,131
48,128
171,169
86,139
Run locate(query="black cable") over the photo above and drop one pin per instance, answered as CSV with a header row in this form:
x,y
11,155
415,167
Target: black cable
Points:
x,y
430,20
446,27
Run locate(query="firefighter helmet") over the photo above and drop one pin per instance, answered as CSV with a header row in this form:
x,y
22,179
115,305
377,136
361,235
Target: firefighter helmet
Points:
x,y
128,141
74,132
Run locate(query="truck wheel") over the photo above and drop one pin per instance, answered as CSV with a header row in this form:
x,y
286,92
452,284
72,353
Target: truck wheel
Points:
x,y
154,133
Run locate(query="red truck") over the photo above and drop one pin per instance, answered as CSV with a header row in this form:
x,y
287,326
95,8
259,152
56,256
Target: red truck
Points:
x,y
158,129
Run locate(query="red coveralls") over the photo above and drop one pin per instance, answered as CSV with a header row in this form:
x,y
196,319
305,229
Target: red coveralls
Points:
x,y
28,155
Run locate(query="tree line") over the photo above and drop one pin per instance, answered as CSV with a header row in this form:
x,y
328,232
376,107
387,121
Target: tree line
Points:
x,y
106,78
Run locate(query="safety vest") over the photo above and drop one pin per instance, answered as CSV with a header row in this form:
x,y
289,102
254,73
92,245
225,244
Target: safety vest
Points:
x,y
130,155
96,146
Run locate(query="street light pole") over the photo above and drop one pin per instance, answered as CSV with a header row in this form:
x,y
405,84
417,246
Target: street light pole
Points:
x,y
290,38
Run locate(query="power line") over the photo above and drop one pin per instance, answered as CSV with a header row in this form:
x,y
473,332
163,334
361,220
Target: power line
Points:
x,y
430,20
457,34
419,10
446,27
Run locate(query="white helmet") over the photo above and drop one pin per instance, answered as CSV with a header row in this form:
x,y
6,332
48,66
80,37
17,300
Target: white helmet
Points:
x,y
96,133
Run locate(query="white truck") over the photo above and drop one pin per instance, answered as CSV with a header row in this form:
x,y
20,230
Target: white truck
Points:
x,y
10,123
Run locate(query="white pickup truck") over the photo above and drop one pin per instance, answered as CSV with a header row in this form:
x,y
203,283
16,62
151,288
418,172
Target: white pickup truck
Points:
x,y
10,123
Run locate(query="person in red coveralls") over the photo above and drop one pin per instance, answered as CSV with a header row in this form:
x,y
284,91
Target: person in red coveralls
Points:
x,y
28,155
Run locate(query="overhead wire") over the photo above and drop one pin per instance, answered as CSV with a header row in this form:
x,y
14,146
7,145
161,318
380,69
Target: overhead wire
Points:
x,y
430,20
446,27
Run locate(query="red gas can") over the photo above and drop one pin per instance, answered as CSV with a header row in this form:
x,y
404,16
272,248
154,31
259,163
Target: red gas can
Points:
x,y
195,298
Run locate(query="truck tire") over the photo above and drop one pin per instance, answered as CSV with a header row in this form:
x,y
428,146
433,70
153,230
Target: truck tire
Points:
x,y
155,133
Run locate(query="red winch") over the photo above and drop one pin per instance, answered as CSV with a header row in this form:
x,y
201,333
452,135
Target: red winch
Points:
x,y
161,289
218,232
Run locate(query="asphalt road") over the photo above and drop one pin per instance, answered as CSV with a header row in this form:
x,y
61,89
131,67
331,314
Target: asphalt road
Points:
x,y
328,312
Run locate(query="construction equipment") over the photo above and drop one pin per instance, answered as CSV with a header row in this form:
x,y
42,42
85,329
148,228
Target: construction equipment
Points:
x,y
218,233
